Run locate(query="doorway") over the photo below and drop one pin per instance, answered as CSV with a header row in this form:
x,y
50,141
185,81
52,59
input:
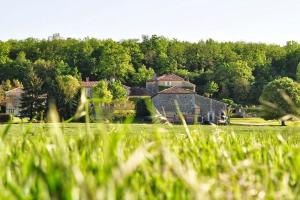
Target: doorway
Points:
x,y
211,116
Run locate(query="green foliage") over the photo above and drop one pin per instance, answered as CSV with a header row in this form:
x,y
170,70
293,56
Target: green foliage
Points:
x,y
67,95
183,73
101,92
211,88
229,102
32,99
7,85
142,75
144,108
4,52
235,80
240,69
123,115
69,86
280,97
5,117
118,91
115,62
298,73
135,52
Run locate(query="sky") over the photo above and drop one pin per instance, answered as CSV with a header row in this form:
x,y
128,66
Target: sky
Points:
x,y
269,21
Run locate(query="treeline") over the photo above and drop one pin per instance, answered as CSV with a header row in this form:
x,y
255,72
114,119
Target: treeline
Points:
x,y
231,70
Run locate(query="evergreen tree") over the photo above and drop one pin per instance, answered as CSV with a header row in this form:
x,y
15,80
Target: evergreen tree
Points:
x,y
32,99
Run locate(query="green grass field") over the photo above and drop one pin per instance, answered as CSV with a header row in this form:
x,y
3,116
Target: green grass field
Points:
x,y
142,161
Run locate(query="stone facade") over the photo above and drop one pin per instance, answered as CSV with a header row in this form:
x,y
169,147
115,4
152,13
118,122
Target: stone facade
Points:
x,y
210,109
13,101
158,84
195,108
165,104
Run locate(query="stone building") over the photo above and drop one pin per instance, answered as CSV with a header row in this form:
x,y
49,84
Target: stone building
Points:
x,y
210,109
166,81
88,86
13,101
169,90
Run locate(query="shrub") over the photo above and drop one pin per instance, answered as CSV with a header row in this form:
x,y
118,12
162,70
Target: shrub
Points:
x,y
5,117
144,108
123,115
280,99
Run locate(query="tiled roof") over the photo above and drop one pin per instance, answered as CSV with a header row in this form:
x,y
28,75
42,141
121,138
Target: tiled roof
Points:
x,y
15,91
169,77
89,84
176,90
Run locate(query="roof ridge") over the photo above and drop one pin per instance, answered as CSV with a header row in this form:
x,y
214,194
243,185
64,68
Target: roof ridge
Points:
x,y
167,89
169,77
14,89
176,87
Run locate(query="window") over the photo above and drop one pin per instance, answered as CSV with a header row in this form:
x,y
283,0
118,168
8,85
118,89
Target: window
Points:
x,y
10,111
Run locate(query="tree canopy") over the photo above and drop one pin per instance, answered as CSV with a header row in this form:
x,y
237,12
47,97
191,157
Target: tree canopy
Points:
x,y
280,98
240,70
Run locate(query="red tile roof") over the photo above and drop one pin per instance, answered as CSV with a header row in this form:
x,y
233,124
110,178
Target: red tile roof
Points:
x,y
15,91
169,77
176,90
89,84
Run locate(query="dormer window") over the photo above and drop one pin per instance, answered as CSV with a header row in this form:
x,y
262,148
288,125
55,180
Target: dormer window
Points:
x,y
168,83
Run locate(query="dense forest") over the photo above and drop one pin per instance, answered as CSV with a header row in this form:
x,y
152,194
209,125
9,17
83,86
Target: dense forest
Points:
x,y
231,70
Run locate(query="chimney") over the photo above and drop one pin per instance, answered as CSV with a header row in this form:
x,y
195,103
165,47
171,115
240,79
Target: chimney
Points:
x,y
87,79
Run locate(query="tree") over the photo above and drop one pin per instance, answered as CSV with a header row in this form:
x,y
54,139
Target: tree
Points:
x,y
240,69
101,92
4,51
7,85
183,73
118,91
298,73
135,52
142,75
114,62
155,53
32,99
2,99
235,78
211,88
280,97
68,90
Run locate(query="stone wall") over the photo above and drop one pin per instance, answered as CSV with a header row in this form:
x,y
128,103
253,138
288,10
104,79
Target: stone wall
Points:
x,y
193,107
13,103
210,107
165,104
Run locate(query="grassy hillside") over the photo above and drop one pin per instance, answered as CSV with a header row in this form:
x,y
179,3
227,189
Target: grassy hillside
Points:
x,y
98,161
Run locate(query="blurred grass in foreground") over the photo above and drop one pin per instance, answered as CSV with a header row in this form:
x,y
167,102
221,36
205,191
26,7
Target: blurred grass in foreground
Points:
x,y
114,161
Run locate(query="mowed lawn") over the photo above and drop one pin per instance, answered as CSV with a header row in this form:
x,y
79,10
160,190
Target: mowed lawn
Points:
x,y
144,161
